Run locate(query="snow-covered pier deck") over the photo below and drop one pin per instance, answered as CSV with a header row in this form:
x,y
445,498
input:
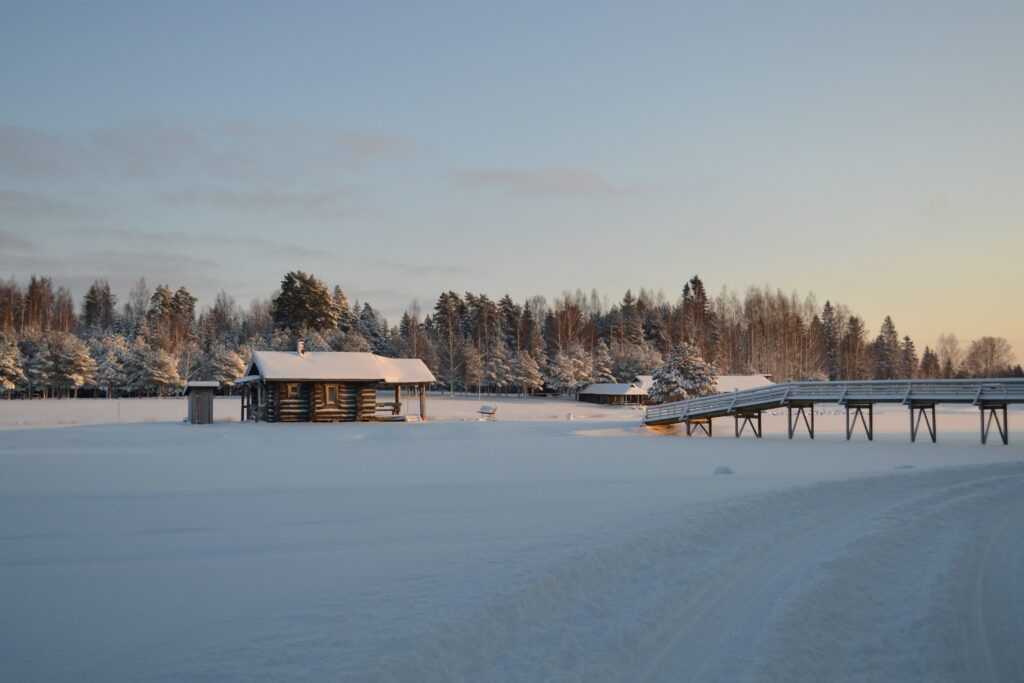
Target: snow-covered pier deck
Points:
x,y
991,396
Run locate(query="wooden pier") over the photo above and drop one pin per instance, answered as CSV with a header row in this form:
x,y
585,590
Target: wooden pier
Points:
x,y
992,397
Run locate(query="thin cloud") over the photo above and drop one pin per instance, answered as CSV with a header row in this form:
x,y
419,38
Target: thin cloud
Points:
x,y
421,270
251,243
29,153
12,242
146,152
322,147
120,267
320,203
18,207
543,181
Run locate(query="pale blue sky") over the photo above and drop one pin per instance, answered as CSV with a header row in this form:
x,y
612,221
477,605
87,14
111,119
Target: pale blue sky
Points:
x,y
872,152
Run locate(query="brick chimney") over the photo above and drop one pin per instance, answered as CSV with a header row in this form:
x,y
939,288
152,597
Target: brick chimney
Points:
x,y
300,346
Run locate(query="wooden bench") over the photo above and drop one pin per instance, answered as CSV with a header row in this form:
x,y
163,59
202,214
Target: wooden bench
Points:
x,y
394,406
488,413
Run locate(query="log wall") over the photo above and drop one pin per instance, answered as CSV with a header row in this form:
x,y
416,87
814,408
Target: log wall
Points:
x,y
357,401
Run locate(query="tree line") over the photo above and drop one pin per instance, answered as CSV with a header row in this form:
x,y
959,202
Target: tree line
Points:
x,y
156,340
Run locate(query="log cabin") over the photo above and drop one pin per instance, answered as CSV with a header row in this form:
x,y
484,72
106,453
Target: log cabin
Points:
x,y
329,386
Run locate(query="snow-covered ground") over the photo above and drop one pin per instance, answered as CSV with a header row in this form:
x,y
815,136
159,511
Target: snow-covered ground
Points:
x,y
531,548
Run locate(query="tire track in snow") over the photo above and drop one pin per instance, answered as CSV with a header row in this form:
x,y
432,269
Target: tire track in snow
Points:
x,y
858,579
998,623
717,635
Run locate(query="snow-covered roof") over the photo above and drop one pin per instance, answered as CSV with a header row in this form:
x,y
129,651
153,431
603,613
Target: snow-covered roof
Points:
x,y
728,383
356,366
611,389
200,384
643,382
405,370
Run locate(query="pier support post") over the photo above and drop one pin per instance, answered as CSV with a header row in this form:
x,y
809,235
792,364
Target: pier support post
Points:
x,y
917,412
802,410
858,413
993,415
695,424
748,417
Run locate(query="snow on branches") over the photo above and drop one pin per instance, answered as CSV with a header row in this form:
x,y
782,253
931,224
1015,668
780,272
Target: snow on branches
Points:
x,y
686,374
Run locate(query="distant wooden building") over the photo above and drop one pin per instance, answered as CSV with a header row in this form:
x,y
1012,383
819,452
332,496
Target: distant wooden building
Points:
x,y
636,392
328,386
609,393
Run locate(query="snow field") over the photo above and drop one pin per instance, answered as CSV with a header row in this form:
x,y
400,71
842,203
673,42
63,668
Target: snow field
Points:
x,y
537,549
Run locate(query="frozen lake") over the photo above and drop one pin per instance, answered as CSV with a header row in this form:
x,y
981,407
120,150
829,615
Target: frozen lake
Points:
x,y
531,548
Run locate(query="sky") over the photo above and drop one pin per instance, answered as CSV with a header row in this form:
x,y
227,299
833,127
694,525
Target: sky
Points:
x,y
870,152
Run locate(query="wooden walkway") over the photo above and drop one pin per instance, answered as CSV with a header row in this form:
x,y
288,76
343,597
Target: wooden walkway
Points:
x,y
991,396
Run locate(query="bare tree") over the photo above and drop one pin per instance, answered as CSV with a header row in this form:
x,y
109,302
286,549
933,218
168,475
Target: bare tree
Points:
x,y
989,357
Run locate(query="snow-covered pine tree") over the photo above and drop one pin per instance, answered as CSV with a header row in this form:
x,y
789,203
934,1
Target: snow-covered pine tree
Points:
x,y
685,375
162,371
929,368
509,314
369,327
557,371
566,370
316,341
583,367
602,370
888,358
304,303
136,366
222,320
346,319
226,365
35,362
99,306
527,373
855,362
11,374
531,338
112,353
77,368
630,360
447,321
283,340
496,366
908,358
355,342
472,366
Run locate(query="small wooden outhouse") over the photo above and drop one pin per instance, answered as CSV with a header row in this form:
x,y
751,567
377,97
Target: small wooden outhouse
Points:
x,y
200,401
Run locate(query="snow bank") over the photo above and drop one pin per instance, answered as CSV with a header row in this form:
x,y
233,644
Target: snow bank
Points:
x,y
68,412
829,420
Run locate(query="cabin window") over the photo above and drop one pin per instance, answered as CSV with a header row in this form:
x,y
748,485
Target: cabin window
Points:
x,y
332,393
293,390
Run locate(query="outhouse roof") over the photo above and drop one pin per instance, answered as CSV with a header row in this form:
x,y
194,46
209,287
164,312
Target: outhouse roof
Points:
x,y
200,384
